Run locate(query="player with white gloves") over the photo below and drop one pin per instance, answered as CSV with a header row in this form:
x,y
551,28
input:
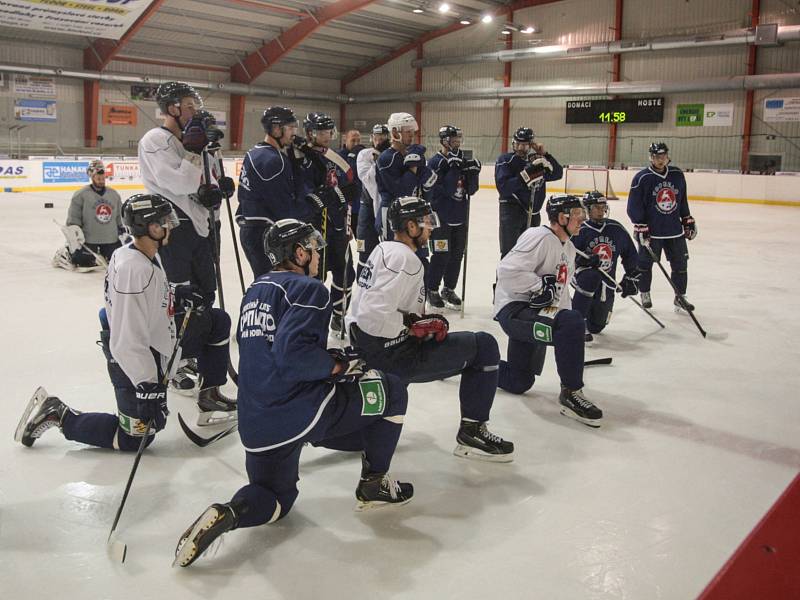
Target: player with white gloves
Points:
x,y
94,223
533,307
520,178
366,166
293,390
389,328
658,206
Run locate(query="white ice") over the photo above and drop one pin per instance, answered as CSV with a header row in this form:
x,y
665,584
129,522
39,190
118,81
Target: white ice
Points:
x,y
699,439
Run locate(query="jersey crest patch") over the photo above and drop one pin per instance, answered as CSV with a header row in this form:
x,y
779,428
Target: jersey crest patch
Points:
x,y
441,245
102,212
606,254
666,198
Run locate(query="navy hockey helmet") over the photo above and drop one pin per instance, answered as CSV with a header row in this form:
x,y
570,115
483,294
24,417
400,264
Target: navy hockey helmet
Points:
x,y
380,129
658,148
595,198
277,115
410,208
449,131
318,122
285,235
524,135
172,92
562,203
140,210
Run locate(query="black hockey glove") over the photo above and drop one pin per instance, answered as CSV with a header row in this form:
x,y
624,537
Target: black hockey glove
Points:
x,y
350,191
352,365
689,227
415,156
190,296
226,186
473,165
455,162
641,231
151,404
314,200
591,261
209,196
199,131
546,295
630,285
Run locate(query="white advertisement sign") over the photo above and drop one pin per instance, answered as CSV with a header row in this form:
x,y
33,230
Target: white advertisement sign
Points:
x,y
781,110
718,115
43,111
34,85
108,19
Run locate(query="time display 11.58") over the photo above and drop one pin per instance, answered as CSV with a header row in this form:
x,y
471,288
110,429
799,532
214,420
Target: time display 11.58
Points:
x,y
621,110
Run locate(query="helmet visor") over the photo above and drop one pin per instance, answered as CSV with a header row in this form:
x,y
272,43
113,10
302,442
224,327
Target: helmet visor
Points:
x,y
430,221
170,221
313,241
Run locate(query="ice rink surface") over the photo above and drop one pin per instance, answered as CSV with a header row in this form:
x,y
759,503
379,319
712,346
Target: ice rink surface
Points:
x,y
699,439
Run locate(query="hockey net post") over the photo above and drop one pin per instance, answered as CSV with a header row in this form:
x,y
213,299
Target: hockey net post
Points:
x,y
579,179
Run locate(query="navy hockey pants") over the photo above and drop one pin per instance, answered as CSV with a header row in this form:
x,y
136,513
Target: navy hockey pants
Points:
x,y
252,238
593,299
474,356
447,244
273,474
207,339
189,257
529,333
513,223
337,258
677,255
366,234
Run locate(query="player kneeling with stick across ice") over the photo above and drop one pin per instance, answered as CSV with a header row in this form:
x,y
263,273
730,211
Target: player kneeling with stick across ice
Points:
x,y
390,330
293,390
532,305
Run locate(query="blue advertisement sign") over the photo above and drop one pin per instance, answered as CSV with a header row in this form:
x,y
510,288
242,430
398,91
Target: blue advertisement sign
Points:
x,y
64,172
43,111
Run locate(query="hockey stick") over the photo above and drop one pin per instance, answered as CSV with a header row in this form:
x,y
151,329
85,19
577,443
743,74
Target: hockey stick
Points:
x,y
233,230
464,266
597,361
347,253
117,549
201,441
682,298
101,261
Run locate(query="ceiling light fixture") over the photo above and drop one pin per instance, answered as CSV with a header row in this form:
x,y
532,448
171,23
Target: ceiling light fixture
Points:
x,y
465,22
505,32
444,7
418,11
529,29
487,19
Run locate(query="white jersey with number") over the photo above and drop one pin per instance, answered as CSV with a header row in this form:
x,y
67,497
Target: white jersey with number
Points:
x,y
392,283
139,307
366,167
538,252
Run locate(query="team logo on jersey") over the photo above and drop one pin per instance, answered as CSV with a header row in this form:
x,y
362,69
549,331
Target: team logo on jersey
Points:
x,y
606,254
440,246
102,212
666,198
561,275
459,193
331,180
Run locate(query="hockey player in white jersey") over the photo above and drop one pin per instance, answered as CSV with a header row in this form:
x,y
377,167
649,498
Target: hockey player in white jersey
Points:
x,y
533,307
389,328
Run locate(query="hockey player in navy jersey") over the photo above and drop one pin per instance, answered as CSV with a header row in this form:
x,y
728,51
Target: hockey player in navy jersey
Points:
x,y
269,186
456,181
401,169
138,339
533,307
366,231
292,391
390,329
349,151
520,178
659,209
605,241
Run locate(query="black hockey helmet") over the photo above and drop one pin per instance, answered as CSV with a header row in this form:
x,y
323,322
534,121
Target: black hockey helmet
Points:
x,y
318,122
562,203
140,210
595,198
277,115
173,92
282,238
380,129
658,148
524,135
448,131
407,208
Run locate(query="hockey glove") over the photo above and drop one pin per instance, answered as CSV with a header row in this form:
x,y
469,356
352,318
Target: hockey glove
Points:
x,y
630,285
227,186
546,295
315,201
427,178
473,165
209,196
190,296
455,162
590,261
642,233
535,171
415,156
429,326
350,191
151,404
689,227
352,365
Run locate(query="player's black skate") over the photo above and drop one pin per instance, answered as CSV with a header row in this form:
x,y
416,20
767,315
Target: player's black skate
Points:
x,y
476,442
215,407
647,302
435,299
336,323
451,299
576,406
215,520
587,336
379,489
183,383
682,305
41,413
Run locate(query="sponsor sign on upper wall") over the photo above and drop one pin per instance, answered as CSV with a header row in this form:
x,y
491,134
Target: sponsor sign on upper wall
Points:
x,y
42,111
92,18
781,110
704,115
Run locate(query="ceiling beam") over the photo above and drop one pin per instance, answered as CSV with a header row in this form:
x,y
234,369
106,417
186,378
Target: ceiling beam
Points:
x,y
256,63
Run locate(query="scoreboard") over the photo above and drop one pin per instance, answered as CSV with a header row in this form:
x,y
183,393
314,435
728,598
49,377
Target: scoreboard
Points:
x,y
621,110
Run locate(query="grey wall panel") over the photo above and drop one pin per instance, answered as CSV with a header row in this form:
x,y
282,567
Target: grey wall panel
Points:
x,y
395,75
675,17
479,120
681,65
478,38
569,22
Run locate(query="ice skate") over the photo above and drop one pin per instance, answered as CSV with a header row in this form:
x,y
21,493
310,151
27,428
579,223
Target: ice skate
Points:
x,y
215,408
588,338
216,520
376,490
183,383
337,323
435,299
682,305
576,406
476,442
41,413
647,302
451,299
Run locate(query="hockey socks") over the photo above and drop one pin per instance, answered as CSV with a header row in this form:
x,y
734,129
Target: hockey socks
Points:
x,y
479,379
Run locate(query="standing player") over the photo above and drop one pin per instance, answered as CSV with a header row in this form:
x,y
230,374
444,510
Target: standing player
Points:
x,y
390,329
532,306
95,212
456,181
659,209
269,184
349,151
292,390
520,178
366,231
604,240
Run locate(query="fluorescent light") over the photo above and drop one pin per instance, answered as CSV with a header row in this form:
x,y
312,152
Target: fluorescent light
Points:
x,y
548,49
418,11
487,19
529,29
444,7
505,32
466,22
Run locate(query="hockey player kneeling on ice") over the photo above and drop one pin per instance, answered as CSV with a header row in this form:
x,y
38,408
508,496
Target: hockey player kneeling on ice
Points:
x,y
292,390
532,305
390,329
94,222
604,241
138,308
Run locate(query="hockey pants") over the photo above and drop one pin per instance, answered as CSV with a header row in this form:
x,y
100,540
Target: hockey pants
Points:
x,y
677,255
447,244
252,238
593,298
513,223
366,234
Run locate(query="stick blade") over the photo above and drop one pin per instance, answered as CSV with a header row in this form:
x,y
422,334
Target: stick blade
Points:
x,y
117,551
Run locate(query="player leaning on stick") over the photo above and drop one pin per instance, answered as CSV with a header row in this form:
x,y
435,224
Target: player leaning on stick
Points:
x,y
533,307
659,209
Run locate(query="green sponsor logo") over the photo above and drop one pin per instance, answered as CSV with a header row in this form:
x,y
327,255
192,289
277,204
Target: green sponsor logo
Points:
x,y
689,115
542,333
125,423
373,397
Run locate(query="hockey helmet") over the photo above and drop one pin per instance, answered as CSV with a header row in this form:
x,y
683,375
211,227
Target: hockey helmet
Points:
x,y
282,238
449,131
402,121
524,135
595,198
96,167
380,129
140,210
277,115
658,148
562,203
172,92
318,122
411,208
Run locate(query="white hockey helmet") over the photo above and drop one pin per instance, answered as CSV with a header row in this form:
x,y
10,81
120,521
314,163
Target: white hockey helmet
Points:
x,y
402,120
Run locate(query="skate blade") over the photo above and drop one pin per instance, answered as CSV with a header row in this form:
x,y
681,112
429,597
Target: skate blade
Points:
x,y
117,550
39,396
593,423
368,505
186,553
474,454
455,307
181,392
216,417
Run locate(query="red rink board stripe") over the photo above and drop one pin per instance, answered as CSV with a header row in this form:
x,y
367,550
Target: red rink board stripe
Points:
x,y
767,564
